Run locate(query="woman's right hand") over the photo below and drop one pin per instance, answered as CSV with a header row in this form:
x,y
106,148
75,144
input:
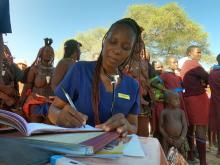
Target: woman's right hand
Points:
x,y
69,117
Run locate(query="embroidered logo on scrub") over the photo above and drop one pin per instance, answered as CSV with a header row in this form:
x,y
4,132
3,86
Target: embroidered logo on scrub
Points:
x,y
123,96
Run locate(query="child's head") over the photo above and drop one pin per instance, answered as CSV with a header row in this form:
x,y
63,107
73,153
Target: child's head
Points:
x,y
172,62
171,99
158,67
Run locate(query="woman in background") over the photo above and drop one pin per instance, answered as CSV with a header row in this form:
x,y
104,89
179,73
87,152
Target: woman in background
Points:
x,y
38,89
71,56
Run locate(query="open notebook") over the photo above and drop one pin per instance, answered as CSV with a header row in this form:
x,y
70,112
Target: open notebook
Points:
x,y
18,122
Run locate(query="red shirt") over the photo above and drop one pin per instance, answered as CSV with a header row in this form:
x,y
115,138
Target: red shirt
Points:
x,y
171,80
194,78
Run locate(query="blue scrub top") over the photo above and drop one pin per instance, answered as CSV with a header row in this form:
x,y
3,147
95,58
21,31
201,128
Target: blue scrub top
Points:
x,y
78,84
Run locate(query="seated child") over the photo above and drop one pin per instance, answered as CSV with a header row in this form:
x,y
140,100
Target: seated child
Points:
x,y
173,125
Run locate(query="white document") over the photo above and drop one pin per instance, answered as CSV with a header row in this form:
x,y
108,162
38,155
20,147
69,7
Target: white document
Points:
x,y
133,147
41,127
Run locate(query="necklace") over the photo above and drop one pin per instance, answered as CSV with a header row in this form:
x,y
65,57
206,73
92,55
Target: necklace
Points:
x,y
113,78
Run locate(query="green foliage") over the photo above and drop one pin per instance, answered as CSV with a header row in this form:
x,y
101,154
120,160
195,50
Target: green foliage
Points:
x,y
209,59
91,42
60,51
167,29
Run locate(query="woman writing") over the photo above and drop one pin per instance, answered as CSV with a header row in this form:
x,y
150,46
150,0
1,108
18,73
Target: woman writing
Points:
x,y
99,100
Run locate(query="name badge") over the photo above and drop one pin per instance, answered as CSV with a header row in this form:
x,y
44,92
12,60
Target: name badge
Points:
x,y
123,96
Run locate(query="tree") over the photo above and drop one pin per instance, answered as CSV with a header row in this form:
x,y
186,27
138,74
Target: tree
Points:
x,y
209,60
167,29
60,52
91,42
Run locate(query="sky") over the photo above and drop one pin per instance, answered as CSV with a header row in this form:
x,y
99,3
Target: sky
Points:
x,y
33,20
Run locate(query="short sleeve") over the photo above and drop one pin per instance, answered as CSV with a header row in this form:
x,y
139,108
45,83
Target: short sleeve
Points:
x,y
136,106
70,84
5,24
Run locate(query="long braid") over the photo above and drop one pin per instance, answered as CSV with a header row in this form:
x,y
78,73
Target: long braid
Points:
x,y
96,77
95,90
95,85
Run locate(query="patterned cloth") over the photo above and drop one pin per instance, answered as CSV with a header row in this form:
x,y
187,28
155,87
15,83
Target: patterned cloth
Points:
x,y
183,149
158,94
41,102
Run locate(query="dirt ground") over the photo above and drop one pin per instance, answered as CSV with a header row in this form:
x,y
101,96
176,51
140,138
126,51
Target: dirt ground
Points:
x,y
211,158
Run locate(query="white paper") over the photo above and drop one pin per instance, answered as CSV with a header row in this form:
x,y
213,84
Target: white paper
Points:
x,y
133,147
40,127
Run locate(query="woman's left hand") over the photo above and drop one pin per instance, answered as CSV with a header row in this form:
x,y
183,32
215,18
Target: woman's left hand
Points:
x,y
117,122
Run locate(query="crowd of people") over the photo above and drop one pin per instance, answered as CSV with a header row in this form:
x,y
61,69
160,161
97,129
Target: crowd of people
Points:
x,y
118,90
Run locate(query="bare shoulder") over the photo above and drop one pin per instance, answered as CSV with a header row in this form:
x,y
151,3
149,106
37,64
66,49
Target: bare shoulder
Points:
x,y
64,63
61,62
61,65
33,70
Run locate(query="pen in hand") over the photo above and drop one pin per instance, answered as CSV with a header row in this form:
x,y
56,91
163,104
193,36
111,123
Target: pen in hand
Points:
x,y
70,100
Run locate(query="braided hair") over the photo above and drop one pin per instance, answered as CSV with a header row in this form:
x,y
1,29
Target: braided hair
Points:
x,y
47,43
96,77
7,54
